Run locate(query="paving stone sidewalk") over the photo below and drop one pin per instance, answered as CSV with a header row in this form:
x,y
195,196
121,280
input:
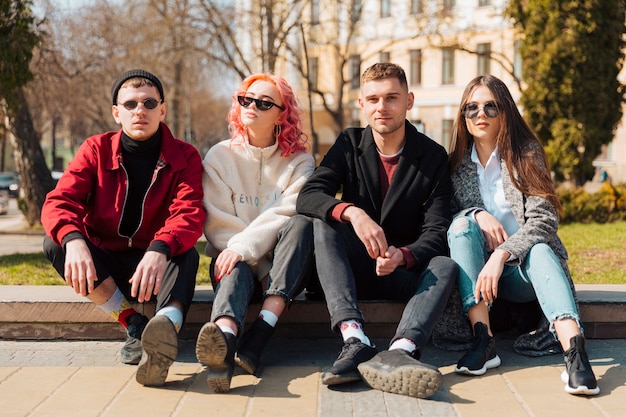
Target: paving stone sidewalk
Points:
x,y
60,378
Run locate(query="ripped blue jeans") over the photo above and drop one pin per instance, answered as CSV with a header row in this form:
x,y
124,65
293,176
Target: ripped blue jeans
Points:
x,y
540,277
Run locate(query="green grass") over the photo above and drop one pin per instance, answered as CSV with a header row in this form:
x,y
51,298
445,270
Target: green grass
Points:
x,y
596,254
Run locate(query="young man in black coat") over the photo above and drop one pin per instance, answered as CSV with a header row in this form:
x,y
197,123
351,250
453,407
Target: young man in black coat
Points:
x,y
385,238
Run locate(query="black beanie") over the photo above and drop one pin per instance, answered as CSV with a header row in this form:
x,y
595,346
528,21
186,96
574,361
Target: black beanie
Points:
x,y
133,74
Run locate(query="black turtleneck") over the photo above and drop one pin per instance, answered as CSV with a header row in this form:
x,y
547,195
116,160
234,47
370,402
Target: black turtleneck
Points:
x,y
139,160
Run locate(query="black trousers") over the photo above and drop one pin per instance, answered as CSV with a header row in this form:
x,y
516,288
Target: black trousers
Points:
x,y
179,281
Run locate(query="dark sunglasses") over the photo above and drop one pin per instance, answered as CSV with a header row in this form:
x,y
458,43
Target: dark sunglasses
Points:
x,y
471,110
262,105
149,103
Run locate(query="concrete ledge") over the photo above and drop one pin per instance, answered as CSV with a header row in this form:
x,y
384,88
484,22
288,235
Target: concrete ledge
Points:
x,y
56,312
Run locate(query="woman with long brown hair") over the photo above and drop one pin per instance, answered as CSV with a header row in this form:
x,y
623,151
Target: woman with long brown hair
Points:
x,y
504,234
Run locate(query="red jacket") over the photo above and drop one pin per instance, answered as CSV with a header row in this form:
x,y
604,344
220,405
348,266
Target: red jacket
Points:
x,y
89,198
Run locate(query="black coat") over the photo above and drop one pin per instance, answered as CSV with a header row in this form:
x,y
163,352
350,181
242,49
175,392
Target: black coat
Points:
x,y
416,211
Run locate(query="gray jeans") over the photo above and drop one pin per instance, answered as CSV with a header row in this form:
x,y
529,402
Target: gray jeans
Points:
x,y
291,269
348,274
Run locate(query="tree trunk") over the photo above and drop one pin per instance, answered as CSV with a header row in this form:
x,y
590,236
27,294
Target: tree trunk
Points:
x,y
35,178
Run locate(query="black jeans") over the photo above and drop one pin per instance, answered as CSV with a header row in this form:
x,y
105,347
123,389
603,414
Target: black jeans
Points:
x,y
348,274
291,270
179,281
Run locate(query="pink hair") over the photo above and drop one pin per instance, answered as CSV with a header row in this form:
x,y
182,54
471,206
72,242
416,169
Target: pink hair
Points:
x,y
291,138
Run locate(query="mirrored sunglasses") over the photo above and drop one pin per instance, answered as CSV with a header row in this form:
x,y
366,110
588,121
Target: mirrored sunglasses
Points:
x,y
471,110
149,103
262,105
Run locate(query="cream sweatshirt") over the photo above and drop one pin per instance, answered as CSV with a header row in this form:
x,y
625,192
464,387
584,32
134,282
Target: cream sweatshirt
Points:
x,y
249,194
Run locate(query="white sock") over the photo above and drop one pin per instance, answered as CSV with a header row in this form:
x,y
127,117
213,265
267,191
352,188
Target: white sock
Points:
x,y
268,317
353,328
404,344
114,303
226,329
174,314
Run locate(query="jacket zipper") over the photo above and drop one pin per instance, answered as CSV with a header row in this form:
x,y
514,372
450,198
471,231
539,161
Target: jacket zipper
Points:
x,y
160,164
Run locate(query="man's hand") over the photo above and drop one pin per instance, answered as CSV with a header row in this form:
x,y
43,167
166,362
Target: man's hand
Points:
x,y
494,232
368,231
80,272
148,277
225,262
391,259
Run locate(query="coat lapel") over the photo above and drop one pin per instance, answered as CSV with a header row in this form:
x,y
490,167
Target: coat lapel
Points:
x,y
368,164
405,172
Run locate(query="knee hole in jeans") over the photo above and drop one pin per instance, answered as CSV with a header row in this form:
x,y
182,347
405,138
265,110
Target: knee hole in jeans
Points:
x,y
460,226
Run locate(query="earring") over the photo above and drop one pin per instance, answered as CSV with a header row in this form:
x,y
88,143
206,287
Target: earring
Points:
x,y
277,130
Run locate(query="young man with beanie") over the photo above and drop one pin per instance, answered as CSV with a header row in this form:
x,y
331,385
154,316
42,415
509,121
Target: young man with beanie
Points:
x,y
123,220
385,238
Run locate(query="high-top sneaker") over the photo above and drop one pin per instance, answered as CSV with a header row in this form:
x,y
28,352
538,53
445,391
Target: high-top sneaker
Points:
x,y
252,344
481,355
578,375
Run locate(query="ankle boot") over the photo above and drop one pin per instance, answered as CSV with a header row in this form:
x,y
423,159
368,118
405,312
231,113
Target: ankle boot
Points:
x,y
578,375
252,344
216,350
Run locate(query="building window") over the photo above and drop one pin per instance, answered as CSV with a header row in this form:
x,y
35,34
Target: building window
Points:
x,y
448,4
447,66
484,58
313,72
384,57
385,8
417,6
355,71
446,132
517,60
355,12
415,69
482,3
315,12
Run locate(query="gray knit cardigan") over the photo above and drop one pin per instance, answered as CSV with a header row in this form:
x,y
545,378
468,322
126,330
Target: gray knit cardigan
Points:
x,y
538,220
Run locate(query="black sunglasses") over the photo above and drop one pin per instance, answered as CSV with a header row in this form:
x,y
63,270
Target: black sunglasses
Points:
x,y
471,110
149,103
262,105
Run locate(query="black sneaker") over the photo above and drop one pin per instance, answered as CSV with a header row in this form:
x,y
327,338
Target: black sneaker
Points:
x,y
160,347
252,344
578,376
397,372
216,350
131,351
481,355
344,369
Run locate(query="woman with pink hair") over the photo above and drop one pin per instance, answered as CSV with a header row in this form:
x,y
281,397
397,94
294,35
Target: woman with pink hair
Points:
x,y
258,245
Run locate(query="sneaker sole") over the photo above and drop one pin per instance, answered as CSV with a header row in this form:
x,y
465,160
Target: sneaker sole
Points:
x,y
246,363
334,379
490,364
414,381
160,347
211,350
581,390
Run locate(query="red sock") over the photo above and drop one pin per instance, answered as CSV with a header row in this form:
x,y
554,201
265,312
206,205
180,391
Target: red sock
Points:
x,y
124,315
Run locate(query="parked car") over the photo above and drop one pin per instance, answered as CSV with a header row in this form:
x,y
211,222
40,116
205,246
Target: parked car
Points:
x,y
4,201
10,181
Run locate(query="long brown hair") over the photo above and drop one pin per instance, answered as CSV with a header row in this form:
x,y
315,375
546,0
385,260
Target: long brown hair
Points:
x,y
528,165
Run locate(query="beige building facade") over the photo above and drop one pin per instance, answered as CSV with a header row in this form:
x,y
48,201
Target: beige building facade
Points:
x,y
442,45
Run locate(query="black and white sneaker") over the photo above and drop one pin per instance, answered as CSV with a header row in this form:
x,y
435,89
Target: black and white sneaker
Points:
x,y
578,376
344,368
481,355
